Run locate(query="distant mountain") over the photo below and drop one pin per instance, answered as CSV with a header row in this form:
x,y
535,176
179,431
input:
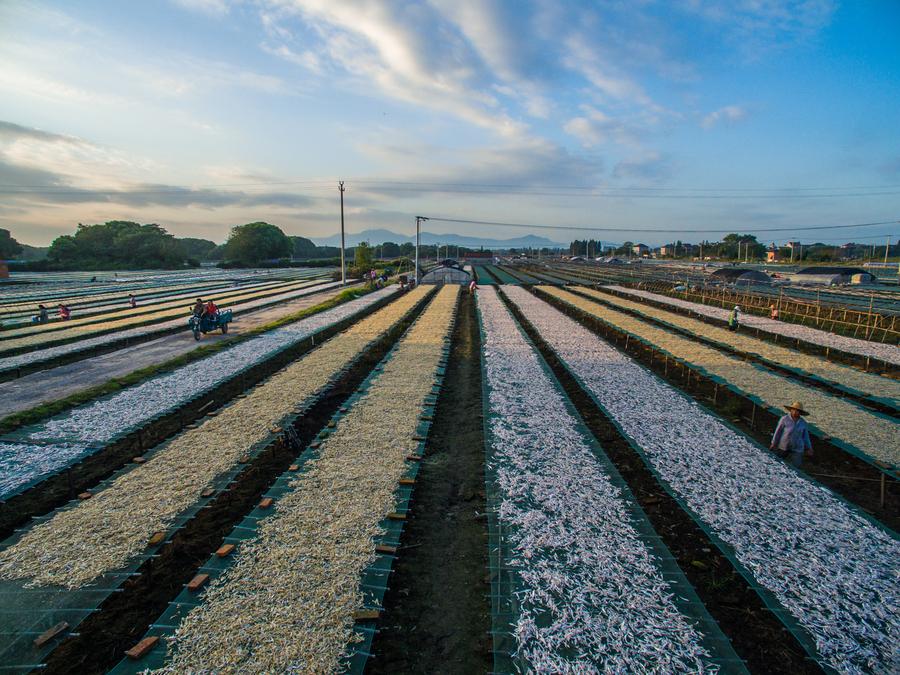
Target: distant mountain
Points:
x,y
376,237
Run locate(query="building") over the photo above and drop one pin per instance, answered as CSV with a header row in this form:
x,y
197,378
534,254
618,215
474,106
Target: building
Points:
x,y
666,249
740,276
640,249
448,272
833,276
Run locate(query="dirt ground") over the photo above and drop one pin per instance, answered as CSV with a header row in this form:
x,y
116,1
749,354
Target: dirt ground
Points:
x,y
437,612
55,383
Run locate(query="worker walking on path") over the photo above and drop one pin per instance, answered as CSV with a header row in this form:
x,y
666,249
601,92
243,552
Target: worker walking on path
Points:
x,y
472,287
791,437
734,319
773,312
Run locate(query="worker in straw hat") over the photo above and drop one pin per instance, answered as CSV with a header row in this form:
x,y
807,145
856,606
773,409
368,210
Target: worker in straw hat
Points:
x,y
791,437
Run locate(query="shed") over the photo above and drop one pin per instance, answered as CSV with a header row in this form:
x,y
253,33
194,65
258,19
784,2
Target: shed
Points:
x,y
832,276
740,275
446,275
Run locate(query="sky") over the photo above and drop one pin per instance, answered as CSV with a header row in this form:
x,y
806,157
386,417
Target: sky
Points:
x,y
619,116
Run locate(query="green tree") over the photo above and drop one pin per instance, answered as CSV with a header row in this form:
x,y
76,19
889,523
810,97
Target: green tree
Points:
x,y
117,244
363,256
304,248
9,247
254,242
199,249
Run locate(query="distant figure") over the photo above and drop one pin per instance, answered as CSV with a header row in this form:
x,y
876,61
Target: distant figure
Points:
x,y
42,316
472,287
773,313
132,301
93,278
199,308
403,282
791,437
64,312
734,319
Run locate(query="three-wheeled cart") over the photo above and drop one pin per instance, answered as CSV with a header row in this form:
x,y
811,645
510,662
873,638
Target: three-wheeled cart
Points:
x,y
208,323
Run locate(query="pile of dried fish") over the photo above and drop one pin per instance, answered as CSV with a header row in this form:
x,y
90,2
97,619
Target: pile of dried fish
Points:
x,y
78,544
870,433
287,603
832,569
877,350
148,310
593,597
77,328
96,423
50,353
852,378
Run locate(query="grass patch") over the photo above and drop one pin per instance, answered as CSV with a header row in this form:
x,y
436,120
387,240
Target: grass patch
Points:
x,y
45,410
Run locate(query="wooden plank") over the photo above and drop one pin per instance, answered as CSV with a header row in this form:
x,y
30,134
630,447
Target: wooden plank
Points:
x,y
139,460
85,495
50,633
366,614
407,481
197,582
266,503
208,492
142,647
224,550
156,538
396,516
384,548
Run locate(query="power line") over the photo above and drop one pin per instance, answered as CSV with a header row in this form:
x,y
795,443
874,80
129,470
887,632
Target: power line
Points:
x,y
655,231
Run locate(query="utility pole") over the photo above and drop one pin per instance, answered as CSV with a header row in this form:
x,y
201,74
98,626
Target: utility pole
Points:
x,y
343,262
419,220
887,247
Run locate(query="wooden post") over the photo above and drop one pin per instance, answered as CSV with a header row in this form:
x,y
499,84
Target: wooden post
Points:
x,y
882,490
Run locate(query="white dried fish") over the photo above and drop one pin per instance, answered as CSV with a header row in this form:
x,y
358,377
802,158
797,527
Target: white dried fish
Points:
x,y
287,602
877,350
96,423
833,570
99,535
593,598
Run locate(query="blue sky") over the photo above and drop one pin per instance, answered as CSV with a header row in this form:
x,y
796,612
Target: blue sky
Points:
x,y
676,115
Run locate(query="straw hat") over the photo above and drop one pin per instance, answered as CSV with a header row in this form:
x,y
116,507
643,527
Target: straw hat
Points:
x,y
796,405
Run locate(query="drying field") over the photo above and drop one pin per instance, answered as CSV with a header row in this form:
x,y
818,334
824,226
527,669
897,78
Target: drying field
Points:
x,y
244,512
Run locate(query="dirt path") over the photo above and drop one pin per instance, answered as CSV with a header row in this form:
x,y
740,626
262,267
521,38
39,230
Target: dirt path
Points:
x,y
55,383
437,611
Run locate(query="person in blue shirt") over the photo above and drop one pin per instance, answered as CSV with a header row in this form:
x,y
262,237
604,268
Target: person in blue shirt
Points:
x,y
791,438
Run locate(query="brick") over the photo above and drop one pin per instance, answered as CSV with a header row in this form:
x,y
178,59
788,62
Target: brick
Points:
x,y
208,492
156,538
244,459
294,467
266,503
142,647
85,495
50,633
197,582
224,550
414,458
139,460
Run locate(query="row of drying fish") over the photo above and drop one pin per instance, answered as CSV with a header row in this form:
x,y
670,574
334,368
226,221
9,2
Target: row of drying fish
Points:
x,y
834,571
147,308
876,350
871,433
41,335
867,384
592,596
50,446
50,353
287,602
102,534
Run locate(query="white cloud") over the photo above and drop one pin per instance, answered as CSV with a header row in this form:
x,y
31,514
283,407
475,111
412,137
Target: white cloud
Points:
x,y
307,59
727,115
